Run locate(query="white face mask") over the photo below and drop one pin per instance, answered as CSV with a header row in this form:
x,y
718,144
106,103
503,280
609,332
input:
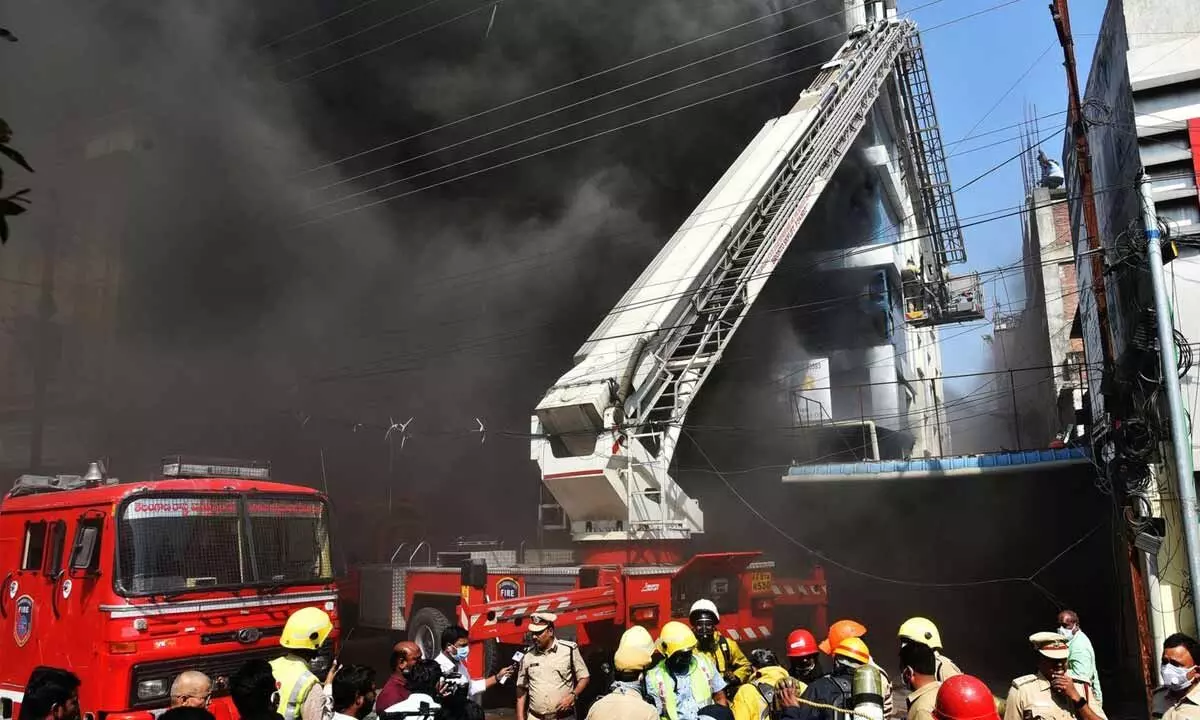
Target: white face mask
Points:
x,y
1065,631
1176,678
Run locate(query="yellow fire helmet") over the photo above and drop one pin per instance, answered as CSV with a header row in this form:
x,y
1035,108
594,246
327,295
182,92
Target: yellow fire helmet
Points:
x,y
306,629
637,637
635,650
921,630
855,649
675,636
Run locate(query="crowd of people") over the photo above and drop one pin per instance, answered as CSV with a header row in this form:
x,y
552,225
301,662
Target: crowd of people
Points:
x,y
691,671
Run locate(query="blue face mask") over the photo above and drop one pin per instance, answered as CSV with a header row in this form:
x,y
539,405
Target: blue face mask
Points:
x,y
462,652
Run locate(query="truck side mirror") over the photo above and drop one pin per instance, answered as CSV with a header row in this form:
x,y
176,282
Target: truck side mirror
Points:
x,y
85,553
474,574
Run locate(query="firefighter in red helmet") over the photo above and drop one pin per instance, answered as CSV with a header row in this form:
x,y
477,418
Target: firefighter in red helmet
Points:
x,y
964,697
802,653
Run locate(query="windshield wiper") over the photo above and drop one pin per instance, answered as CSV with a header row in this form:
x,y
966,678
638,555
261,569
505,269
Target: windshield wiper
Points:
x,y
276,584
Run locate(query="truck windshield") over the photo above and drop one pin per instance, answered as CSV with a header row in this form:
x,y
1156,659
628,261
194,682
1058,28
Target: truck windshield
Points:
x,y
172,544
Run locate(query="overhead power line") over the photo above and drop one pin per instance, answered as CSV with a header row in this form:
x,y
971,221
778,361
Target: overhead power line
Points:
x,y
508,336
323,22
583,101
561,86
356,33
416,33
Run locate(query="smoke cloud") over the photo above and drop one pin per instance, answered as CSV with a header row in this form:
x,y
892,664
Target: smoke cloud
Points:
x,y
180,143
219,290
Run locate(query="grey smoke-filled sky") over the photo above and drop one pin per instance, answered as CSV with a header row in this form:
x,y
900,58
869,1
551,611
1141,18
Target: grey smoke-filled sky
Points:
x,y
461,300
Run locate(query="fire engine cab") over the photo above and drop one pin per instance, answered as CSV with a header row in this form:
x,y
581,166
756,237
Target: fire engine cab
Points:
x,y
127,584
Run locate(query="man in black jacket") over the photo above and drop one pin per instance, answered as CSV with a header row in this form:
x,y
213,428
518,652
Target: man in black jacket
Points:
x,y
832,689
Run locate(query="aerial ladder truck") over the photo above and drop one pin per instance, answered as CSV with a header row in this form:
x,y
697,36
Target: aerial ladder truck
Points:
x,y
605,433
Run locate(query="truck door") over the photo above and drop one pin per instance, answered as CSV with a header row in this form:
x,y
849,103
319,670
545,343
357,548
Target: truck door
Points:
x,y
72,556
25,600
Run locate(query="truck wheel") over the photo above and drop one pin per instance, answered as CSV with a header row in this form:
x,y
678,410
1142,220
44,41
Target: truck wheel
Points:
x,y
425,629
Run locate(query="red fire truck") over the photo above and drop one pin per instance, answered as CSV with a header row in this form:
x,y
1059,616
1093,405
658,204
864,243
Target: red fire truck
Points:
x,y
128,584
492,592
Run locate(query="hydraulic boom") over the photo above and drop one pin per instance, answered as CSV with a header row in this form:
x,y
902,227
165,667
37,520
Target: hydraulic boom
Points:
x,y
605,433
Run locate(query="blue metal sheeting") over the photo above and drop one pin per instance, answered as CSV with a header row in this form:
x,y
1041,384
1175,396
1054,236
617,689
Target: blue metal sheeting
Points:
x,y
950,466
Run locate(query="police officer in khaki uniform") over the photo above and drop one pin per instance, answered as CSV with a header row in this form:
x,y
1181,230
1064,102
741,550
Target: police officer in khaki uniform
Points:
x,y
625,701
1051,694
1179,696
551,675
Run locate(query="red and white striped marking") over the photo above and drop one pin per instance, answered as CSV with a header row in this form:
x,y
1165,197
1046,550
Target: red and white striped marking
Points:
x,y
798,589
511,612
748,633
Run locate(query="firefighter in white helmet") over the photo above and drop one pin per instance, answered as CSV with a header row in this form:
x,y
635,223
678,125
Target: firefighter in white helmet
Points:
x,y
301,695
724,652
923,631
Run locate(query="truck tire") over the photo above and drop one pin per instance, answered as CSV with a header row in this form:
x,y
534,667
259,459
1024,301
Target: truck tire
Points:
x,y
425,629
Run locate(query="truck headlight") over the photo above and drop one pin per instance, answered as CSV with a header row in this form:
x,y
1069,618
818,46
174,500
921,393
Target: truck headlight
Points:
x,y
152,689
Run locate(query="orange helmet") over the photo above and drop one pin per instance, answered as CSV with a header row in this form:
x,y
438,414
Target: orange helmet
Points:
x,y
839,631
965,697
801,643
853,648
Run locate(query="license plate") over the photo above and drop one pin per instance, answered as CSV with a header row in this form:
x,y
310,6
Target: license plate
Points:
x,y
761,582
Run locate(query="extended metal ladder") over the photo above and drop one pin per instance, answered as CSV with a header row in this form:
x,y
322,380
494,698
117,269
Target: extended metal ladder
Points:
x,y
688,351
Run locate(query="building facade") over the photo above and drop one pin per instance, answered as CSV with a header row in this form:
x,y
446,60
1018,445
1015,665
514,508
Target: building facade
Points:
x,y
1142,107
876,381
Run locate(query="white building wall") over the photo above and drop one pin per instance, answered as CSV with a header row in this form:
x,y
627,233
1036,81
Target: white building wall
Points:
x,y
897,385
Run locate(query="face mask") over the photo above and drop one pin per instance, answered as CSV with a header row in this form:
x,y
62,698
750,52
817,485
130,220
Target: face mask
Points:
x,y
803,670
1066,632
320,665
1176,678
462,652
680,661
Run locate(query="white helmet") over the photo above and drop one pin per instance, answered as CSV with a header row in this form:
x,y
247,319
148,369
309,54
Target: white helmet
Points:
x,y
704,605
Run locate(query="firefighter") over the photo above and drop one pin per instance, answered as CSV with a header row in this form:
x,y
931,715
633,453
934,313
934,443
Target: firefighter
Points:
x,y
922,630
724,652
844,629
1051,694
301,694
639,637
683,681
756,699
625,700
964,697
835,688
802,657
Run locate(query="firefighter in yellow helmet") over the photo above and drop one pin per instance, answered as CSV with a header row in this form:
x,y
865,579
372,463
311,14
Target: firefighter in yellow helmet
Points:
x,y
922,630
625,701
683,681
302,696
758,699
724,652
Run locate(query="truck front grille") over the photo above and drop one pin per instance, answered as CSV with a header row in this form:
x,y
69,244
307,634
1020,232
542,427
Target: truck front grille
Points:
x,y
218,667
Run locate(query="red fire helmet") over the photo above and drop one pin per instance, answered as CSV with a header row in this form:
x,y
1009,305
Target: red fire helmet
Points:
x,y
965,697
801,643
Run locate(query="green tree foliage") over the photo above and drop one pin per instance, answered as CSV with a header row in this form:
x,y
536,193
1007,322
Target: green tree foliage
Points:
x,y
13,203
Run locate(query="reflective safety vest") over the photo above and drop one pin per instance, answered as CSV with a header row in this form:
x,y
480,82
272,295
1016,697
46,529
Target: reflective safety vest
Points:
x,y
295,682
700,676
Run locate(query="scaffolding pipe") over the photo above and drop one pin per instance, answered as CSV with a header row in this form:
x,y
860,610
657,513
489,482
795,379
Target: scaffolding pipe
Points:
x,y
1181,441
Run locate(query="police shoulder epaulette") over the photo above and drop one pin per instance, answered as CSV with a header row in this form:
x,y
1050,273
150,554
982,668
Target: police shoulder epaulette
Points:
x,y
569,644
1023,680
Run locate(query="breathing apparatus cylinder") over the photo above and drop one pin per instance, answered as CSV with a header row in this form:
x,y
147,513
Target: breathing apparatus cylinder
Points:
x,y
867,693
